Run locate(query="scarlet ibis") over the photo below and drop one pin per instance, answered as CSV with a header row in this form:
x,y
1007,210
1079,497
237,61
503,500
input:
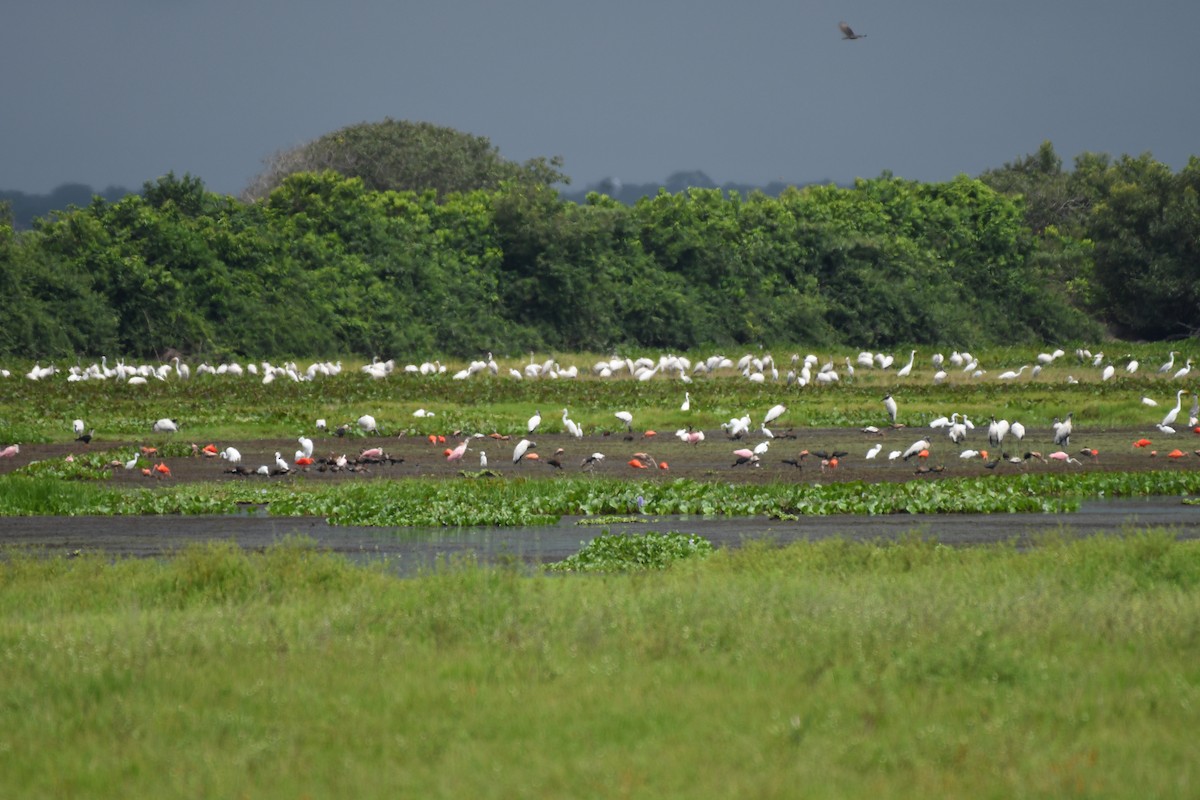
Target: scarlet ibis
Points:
x,y
1142,443
162,469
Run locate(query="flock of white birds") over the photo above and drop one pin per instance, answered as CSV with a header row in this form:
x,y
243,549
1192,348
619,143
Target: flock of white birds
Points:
x,y
799,371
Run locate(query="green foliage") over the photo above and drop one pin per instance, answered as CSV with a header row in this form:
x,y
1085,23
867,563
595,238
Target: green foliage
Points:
x,y
330,265
628,552
397,155
1066,668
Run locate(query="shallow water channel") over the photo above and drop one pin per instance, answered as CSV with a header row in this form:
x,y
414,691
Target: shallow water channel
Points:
x,y
412,550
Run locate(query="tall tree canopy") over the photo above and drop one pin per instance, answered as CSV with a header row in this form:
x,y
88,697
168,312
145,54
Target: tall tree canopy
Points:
x,y
398,155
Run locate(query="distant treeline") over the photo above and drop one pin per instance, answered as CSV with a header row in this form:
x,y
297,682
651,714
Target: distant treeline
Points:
x,y
26,207
676,182
323,266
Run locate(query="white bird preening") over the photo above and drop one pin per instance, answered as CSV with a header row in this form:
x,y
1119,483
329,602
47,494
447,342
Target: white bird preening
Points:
x,y
367,423
78,426
230,454
321,425
523,447
774,413
306,446
165,425
625,417
280,464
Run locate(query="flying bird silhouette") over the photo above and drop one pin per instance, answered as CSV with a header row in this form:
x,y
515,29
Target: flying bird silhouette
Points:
x,y
848,32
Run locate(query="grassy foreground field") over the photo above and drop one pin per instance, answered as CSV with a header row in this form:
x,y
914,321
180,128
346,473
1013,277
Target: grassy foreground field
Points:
x,y
819,670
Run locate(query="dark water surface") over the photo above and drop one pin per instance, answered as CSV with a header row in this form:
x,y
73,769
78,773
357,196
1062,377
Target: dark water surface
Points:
x,y
411,550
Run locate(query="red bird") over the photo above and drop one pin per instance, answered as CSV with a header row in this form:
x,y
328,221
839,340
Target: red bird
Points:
x,y
304,461
636,464
210,450
1142,443
162,469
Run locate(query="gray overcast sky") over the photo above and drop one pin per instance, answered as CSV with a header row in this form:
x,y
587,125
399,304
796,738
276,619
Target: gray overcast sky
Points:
x,y
121,91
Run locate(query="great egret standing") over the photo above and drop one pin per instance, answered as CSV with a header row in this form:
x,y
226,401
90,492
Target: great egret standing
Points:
x,y
1169,419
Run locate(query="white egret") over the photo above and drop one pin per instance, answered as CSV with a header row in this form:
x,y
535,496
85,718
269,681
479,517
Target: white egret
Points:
x,y
1169,419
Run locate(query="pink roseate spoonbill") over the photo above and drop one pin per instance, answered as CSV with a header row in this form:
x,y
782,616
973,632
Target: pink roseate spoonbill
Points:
x,y
458,452
371,454
848,32
10,451
690,436
744,453
1063,457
